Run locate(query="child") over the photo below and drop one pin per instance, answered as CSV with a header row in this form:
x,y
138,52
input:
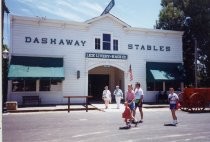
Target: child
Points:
x,y
173,100
127,115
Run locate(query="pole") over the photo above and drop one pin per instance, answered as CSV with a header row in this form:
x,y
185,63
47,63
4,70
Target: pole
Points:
x,y
195,55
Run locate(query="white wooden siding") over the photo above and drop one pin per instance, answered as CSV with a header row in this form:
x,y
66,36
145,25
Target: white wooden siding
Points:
x,y
74,56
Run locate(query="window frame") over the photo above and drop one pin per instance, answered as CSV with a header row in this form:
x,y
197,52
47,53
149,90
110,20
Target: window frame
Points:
x,y
23,84
115,46
97,44
106,42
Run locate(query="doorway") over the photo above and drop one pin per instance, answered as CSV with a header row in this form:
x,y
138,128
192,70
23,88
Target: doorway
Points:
x,y
96,84
101,76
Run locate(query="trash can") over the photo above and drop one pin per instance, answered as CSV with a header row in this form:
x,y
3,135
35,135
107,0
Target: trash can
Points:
x,y
11,105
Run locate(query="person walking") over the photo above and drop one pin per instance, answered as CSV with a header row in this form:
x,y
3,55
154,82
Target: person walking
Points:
x,y
118,96
130,98
106,96
139,95
173,100
127,115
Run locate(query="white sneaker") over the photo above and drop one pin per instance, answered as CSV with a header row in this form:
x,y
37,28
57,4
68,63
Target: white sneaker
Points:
x,y
174,122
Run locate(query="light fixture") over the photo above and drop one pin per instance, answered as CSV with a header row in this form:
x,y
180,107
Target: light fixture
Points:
x,y
78,74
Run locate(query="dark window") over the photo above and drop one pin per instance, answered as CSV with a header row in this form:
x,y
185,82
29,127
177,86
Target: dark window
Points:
x,y
50,85
107,37
97,43
154,86
106,41
176,85
150,86
158,85
30,85
23,85
115,45
106,46
44,85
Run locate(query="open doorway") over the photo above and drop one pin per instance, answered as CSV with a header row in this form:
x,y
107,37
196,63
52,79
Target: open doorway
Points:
x,y
101,76
97,82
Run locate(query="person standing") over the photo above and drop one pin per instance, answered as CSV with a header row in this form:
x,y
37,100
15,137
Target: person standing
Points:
x,y
130,98
139,95
173,100
118,96
106,96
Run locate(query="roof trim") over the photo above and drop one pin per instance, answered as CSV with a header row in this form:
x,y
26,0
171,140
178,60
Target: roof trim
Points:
x,y
109,16
43,20
153,30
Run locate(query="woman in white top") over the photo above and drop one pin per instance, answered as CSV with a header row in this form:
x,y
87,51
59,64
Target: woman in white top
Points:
x,y
106,96
173,100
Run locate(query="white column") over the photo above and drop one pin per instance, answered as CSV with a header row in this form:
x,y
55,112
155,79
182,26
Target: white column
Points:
x,y
164,85
37,85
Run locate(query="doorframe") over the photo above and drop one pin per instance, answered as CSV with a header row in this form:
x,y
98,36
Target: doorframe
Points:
x,y
93,63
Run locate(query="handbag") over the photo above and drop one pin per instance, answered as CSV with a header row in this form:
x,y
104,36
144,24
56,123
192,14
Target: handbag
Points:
x,y
178,105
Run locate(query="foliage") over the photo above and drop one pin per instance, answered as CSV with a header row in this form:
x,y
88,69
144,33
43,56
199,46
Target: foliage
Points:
x,y
192,17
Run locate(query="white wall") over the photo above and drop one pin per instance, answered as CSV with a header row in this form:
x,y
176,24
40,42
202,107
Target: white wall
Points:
x,y
74,56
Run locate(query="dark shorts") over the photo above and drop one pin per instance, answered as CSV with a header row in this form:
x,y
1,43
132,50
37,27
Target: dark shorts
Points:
x,y
172,106
131,105
138,103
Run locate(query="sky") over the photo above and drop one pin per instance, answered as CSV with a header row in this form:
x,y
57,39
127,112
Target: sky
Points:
x,y
136,13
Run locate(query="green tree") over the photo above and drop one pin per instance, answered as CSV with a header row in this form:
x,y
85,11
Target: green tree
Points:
x,y
192,17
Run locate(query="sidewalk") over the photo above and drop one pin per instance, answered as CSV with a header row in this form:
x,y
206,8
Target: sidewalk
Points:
x,y
95,106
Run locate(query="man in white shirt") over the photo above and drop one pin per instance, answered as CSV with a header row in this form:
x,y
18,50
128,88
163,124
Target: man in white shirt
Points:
x,y
139,95
118,96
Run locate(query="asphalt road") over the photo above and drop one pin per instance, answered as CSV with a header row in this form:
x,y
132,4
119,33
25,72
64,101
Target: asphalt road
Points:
x,y
99,126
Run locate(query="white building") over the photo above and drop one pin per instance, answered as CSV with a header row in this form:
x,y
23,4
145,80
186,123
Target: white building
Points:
x,y
54,58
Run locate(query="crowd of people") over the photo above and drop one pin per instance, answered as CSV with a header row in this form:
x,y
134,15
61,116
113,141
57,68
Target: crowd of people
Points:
x,y
133,100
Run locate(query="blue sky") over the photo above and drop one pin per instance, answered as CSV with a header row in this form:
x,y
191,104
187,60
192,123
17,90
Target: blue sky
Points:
x,y
137,13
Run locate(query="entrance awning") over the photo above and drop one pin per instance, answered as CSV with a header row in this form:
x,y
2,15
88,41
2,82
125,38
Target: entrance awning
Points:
x,y
158,71
23,67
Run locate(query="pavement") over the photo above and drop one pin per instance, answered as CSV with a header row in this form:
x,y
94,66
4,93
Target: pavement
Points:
x,y
92,106
103,126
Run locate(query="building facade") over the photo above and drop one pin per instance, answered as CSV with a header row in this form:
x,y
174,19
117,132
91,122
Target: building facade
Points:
x,y
54,58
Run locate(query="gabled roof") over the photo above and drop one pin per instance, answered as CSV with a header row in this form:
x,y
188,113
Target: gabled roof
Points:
x,y
109,16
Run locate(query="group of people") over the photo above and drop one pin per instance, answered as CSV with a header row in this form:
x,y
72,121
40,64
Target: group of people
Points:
x,y
106,96
134,99
129,112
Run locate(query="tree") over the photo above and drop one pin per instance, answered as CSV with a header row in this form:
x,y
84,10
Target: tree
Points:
x,y
176,15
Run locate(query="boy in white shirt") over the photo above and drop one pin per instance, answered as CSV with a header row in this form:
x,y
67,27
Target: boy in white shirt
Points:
x,y
173,100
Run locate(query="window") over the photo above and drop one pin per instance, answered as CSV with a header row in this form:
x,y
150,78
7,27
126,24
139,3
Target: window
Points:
x,y
23,85
150,86
174,84
154,86
115,45
50,85
106,41
44,85
158,85
97,43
